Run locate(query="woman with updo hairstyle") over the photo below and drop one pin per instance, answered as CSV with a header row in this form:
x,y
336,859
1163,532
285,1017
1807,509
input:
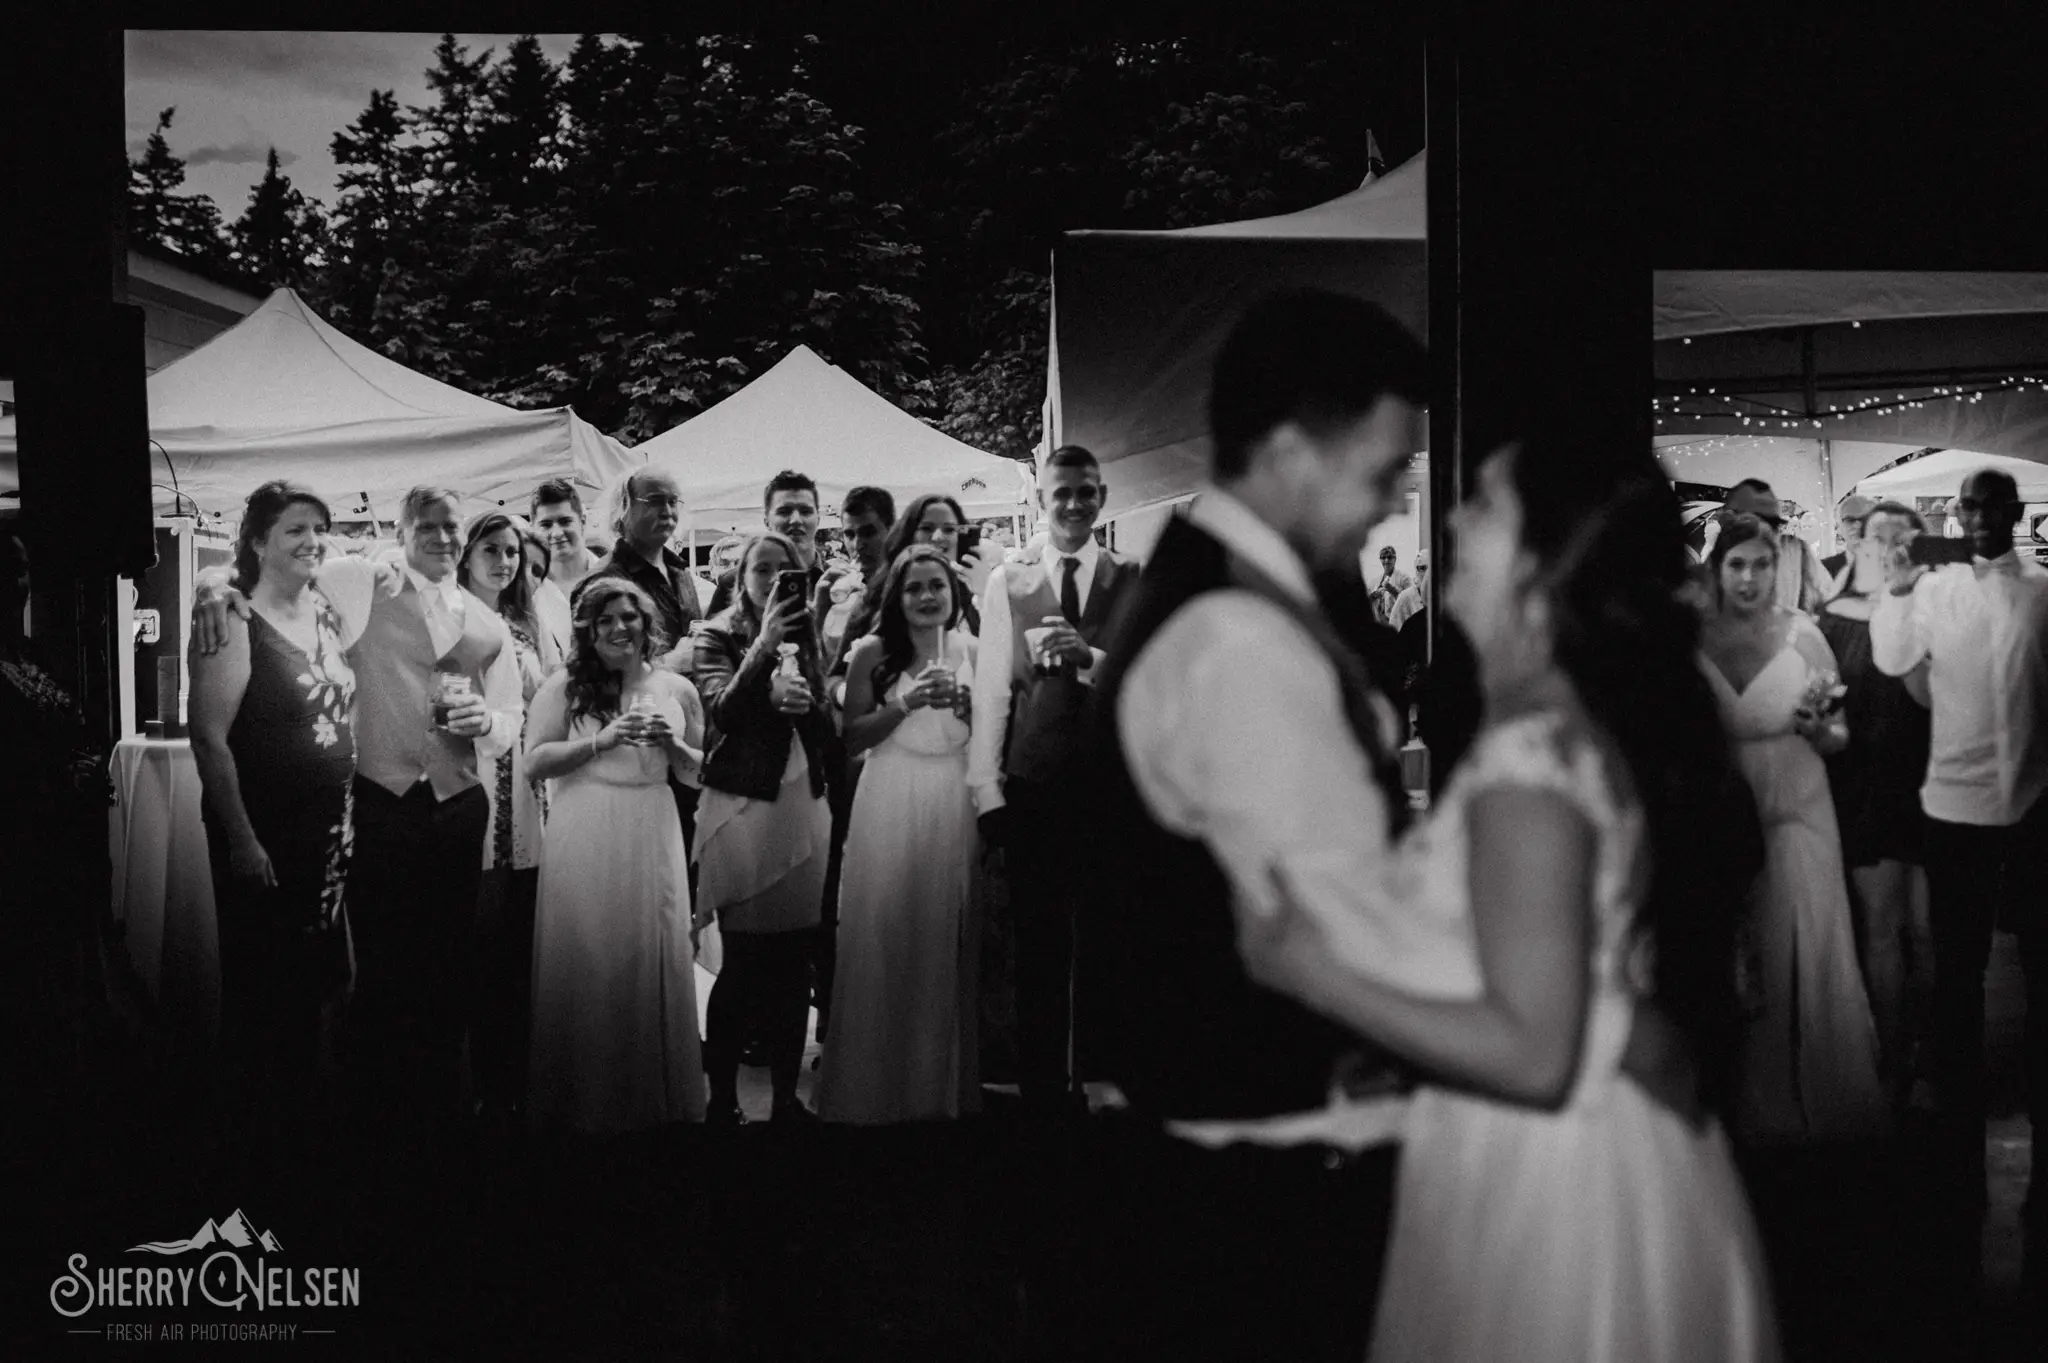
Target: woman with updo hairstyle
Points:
x,y
1809,1057
905,989
273,737
1566,1190
614,1044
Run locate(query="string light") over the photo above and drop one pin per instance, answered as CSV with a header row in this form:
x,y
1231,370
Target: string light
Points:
x,y
1754,411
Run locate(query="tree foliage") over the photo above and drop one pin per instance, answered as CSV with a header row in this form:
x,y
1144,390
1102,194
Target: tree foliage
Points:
x,y
281,238
643,228
159,214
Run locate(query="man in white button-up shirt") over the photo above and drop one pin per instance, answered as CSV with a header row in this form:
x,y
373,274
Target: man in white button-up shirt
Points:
x,y
1983,630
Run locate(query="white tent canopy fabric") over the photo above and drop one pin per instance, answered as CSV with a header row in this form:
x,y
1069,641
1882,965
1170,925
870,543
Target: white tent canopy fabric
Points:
x,y
811,416
1945,359
282,394
1793,467
1137,319
1941,474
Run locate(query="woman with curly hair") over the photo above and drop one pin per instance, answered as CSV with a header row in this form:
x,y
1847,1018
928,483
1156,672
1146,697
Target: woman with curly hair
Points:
x,y
614,1043
905,990
273,735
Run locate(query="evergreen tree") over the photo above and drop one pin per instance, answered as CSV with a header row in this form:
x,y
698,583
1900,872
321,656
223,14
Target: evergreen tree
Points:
x,y
187,224
280,238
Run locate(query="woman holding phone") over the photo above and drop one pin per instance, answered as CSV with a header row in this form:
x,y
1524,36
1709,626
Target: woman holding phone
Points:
x,y
905,991
764,829
614,977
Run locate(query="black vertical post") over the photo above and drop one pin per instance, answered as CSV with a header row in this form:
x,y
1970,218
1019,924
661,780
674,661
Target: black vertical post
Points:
x,y
1539,271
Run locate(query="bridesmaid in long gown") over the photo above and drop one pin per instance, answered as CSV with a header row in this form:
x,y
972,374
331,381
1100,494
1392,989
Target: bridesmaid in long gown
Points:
x,y
905,990
1566,1193
1810,1058
615,1045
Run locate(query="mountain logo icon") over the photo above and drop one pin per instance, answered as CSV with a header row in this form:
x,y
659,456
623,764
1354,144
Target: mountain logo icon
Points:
x,y
235,1230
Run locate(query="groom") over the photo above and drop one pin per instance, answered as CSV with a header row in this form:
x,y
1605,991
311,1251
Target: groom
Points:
x,y
1237,734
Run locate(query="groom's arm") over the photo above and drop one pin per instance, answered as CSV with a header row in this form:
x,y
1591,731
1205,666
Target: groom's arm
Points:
x,y
1234,730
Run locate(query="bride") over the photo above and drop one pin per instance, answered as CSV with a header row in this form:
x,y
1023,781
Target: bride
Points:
x,y
1809,1064
1566,1190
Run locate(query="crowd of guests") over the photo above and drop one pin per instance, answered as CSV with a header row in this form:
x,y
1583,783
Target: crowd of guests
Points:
x,y
477,804
1666,894
1887,705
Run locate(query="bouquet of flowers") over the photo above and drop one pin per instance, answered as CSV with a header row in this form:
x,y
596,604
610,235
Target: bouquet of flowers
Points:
x,y
1823,694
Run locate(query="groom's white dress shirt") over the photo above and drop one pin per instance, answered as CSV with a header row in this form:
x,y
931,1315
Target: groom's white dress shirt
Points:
x,y
1234,731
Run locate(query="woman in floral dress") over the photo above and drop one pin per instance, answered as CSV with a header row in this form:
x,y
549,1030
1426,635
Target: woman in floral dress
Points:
x,y
493,569
275,746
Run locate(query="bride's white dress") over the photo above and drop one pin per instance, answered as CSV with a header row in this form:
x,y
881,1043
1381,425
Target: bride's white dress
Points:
x,y
904,991
615,1041
1608,1231
1809,1064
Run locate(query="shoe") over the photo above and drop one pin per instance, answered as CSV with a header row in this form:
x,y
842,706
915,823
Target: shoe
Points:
x,y
794,1113
725,1115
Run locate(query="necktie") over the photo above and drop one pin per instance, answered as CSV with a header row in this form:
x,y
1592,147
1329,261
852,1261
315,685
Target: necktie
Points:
x,y
1070,594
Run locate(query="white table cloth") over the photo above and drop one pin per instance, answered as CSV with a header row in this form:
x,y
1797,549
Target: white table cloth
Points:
x,y
163,885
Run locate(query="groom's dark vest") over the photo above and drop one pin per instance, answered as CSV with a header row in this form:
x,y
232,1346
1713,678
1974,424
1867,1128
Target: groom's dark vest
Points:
x,y
1180,1027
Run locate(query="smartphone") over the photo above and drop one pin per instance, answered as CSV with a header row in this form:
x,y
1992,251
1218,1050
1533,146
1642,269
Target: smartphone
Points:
x,y
793,584
969,540
1936,551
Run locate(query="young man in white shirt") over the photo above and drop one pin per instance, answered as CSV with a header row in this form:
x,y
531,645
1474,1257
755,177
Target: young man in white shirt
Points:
x,y
558,519
1040,623
1983,631
1982,628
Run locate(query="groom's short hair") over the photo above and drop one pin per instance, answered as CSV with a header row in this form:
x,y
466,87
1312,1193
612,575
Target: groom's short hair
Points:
x,y
1311,356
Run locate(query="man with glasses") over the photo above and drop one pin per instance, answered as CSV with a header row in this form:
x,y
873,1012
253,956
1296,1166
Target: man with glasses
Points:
x,y
1849,519
1802,582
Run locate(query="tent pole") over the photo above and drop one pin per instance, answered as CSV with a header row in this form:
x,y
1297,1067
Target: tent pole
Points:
x,y
1827,492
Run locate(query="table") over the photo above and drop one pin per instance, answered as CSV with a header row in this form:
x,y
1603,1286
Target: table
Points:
x,y
163,885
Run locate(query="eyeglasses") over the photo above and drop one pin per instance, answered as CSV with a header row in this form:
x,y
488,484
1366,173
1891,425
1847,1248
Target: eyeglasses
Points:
x,y
670,503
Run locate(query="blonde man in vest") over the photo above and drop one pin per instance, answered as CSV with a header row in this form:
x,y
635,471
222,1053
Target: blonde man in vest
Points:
x,y
1039,625
420,811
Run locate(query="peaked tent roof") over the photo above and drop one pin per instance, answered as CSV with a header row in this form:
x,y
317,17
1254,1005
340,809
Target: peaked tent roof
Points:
x,y
1138,317
807,414
1941,474
282,394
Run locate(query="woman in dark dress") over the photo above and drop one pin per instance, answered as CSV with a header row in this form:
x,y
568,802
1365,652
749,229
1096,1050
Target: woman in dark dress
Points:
x,y
275,745
1876,784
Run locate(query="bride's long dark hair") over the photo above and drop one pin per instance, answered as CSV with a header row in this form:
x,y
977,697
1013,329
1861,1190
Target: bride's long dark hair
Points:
x,y
1603,524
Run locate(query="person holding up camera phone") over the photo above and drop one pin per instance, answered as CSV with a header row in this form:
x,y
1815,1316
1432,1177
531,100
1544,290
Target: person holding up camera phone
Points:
x,y
1981,629
764,829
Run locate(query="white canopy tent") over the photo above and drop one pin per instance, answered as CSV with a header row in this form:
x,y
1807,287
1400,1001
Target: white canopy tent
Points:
x,y
812,416
282,394
1941,474
1919,359
1137,318
1797,469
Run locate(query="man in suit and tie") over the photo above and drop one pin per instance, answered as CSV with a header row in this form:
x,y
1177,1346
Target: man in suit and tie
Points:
x,y
1041,623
